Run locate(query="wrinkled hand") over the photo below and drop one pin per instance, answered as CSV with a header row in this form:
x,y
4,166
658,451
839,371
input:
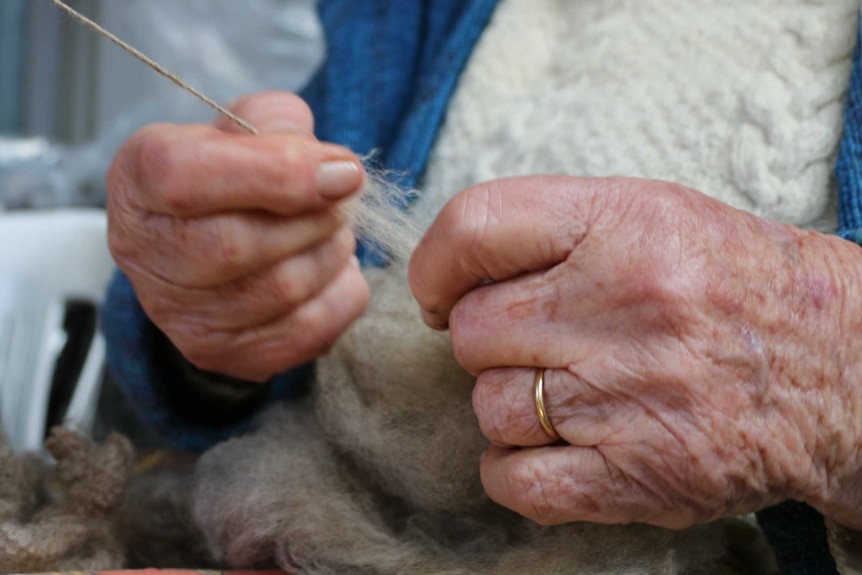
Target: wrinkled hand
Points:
x,y
232,242
701,362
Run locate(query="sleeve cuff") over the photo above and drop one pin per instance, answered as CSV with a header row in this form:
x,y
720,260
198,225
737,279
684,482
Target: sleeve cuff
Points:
x,y
191,409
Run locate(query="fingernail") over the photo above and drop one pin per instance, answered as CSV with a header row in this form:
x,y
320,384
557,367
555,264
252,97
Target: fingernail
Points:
x,y
283,127
337,179
433,321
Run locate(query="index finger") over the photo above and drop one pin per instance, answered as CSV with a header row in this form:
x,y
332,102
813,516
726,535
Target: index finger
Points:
x,y
193,171
496,231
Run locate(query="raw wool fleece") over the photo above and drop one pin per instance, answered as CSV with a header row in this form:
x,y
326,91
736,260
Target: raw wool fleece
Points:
x,y
65,517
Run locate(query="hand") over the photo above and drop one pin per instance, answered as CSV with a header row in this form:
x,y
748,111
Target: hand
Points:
x,y
701,362
233,242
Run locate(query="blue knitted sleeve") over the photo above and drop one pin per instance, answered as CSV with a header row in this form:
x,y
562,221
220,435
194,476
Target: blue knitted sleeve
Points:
x,y
849,167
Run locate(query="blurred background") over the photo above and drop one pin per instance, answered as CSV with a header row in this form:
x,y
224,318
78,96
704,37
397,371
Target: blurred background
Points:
x,y
61,82
68,99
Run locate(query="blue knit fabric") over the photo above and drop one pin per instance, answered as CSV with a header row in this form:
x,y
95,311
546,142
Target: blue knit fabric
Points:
x,y
849,167
391,70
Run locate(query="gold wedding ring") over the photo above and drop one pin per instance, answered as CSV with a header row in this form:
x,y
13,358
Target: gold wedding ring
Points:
x,y
539,389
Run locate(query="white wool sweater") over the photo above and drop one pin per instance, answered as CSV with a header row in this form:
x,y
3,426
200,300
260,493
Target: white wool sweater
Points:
x,y
740,99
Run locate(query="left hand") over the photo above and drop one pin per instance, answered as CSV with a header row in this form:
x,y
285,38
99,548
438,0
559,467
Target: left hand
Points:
x,y
701,362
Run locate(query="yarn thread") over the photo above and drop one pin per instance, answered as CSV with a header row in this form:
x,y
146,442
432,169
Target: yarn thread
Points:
x,y
154,65
377,215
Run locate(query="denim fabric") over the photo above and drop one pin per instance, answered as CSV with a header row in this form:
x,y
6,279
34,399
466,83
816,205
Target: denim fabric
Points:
x,y
391,70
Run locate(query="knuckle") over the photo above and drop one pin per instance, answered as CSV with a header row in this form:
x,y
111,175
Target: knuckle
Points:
x,y
321,327
158,174
504,416
300,111
467,217
663,292
150,152
469,342
233,245
487,410
460,349
296,281
653,288
287,288
262,106
461,330
296,168
674,191
319,334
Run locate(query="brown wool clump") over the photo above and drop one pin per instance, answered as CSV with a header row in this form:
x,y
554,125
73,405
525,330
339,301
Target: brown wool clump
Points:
x,y
63,517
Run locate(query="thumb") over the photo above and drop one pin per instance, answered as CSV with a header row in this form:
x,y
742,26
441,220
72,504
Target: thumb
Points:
x,y
497,231
270,112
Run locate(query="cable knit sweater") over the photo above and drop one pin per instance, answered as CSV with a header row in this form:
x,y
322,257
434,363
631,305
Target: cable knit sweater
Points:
x,y
740,99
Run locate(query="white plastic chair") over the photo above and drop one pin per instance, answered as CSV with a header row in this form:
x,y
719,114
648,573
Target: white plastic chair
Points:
x,y
47,258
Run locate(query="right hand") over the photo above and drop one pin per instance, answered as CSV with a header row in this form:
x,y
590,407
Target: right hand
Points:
x,y
233,242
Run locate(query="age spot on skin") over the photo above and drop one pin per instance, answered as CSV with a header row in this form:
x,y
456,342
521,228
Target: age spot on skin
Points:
x,y
820,291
